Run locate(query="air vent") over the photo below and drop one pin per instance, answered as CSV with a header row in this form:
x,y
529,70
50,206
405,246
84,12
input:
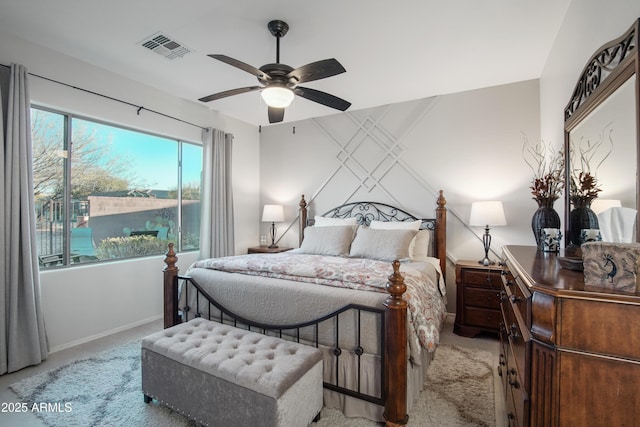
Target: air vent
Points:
x,y
165,46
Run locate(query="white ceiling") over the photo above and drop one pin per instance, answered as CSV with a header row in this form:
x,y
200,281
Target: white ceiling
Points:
x,y
392,51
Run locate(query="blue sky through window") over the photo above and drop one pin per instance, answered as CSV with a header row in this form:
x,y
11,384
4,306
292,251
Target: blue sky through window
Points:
x,y
151,160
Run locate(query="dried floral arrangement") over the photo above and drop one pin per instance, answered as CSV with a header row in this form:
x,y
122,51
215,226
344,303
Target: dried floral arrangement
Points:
x,y
548,170
583,188
586,157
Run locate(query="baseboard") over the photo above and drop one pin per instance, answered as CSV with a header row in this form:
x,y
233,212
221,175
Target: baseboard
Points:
x,y
451,317
104,334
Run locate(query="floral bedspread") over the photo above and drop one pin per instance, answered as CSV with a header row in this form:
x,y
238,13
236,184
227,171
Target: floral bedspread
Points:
x,y
425,305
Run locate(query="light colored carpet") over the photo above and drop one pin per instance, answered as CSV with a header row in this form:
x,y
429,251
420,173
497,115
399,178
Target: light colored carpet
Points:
x,y
104,390
459,391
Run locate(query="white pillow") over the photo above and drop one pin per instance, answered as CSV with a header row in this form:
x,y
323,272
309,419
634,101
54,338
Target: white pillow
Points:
x,y
396,225
320,221
420,246
384,245
328,240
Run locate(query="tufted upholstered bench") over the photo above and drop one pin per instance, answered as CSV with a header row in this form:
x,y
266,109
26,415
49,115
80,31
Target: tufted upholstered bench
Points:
x,y
219,375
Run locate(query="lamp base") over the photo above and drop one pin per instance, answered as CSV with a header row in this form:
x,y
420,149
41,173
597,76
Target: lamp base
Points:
x,y
272,234
486,242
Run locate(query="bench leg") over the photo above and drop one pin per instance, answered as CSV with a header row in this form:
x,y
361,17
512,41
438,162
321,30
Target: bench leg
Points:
x,y
148,399
317,417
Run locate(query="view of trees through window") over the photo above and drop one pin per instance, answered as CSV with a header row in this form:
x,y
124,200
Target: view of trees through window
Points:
x,y
104,192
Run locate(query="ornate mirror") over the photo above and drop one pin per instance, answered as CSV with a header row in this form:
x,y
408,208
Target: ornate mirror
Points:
x,y
602,142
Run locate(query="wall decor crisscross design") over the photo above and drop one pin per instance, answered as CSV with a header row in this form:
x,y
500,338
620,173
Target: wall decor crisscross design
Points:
x,y
369,151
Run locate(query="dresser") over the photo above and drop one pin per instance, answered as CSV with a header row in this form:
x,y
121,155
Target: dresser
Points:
x,y
477,298
569,353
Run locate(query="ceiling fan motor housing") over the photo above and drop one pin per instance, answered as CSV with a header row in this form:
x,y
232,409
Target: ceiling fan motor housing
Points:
x,y
278,75
278,28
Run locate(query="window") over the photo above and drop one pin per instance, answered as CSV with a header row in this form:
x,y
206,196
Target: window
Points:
x,y
104,192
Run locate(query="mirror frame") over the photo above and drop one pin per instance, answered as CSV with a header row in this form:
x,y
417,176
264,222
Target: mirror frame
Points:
x,y
609,68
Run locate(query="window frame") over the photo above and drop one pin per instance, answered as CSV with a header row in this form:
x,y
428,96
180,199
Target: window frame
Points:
x,y
68,118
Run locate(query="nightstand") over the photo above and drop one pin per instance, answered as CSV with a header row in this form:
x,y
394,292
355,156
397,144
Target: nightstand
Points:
x,y
266,250
477,298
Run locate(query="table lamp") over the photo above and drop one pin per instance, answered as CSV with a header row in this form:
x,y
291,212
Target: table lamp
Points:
x,y
273,214
487,214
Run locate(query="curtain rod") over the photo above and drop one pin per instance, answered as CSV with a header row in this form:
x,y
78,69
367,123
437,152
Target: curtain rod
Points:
x,y
139,107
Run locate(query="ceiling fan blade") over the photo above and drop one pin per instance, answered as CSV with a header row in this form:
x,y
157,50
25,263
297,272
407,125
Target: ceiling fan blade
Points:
x,y
230,93
276,114
322,98
317,70
241,65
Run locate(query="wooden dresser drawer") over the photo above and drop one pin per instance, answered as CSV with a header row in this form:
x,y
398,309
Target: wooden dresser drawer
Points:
x,y
477,297
484,277
482,317
515,301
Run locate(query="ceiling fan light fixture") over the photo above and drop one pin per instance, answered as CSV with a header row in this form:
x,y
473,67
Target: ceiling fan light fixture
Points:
x,y
277,96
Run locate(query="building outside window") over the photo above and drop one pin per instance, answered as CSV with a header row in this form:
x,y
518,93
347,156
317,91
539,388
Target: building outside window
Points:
x,y
104,192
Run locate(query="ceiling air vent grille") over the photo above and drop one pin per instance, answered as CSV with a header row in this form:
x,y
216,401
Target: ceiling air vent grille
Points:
x,y
165,46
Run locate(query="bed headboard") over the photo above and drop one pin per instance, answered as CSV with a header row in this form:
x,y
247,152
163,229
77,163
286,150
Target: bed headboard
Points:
x,y
365,212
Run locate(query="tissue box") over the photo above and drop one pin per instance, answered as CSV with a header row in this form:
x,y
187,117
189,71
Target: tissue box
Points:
x,y
611,265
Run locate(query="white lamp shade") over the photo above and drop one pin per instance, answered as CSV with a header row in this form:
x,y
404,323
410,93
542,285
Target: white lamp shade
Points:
x,y
487,213
276,96
600,205
273,213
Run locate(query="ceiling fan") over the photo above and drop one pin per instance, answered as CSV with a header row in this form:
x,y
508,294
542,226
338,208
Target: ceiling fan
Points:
x,y
280,81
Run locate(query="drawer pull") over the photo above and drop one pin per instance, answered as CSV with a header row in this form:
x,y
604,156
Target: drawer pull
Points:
x,y
515,332
513,382
501,360
503,296
510,283
515,299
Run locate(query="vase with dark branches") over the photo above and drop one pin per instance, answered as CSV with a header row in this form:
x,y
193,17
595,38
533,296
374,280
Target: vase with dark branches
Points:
x,y
586,157
584,190
547,184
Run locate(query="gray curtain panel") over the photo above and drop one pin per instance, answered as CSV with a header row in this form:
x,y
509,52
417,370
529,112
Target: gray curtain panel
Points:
x,y
22,333
216,220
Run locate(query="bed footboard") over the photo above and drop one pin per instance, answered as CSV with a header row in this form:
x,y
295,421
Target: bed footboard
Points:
x,y
394,349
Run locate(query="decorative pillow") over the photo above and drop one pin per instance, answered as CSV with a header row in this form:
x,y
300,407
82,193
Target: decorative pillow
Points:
x,y
420,247
384,245
327,240
320,221
396,225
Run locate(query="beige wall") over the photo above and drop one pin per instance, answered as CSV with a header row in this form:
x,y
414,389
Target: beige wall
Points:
x,y
467,144
83,303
